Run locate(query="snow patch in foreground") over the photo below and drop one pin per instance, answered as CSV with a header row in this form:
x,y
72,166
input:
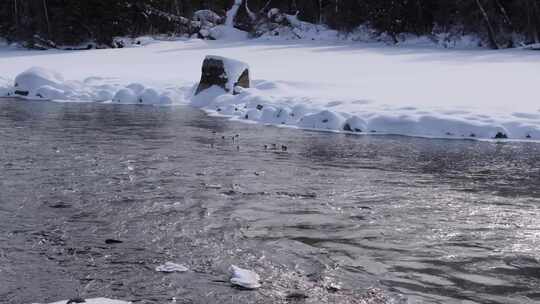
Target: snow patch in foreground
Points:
x,y
94,301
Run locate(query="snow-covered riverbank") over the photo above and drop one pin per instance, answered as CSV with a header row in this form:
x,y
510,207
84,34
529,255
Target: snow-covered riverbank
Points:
x,y
324,85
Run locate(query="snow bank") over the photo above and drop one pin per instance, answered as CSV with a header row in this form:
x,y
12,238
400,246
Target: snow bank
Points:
x,y
39,83
257,104
347,87
95,301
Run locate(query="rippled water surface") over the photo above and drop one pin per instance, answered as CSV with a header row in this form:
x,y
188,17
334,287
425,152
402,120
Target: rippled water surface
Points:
x,y
334,219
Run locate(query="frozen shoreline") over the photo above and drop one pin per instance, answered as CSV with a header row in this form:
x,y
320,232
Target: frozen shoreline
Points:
x,y
355,87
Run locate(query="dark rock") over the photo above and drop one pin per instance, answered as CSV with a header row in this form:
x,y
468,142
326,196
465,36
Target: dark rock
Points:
x,y
76,300
297,295
528,136
112,241
260,107
21,93
500,135
215,72
347,127
60,205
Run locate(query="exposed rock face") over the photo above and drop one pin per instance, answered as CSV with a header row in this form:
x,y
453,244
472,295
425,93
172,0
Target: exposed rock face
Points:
x,y
225,73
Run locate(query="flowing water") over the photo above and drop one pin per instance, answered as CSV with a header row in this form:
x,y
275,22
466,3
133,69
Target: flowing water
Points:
x,y
334,219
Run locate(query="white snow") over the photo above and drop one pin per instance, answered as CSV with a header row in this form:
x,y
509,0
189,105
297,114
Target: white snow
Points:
x,y
231,13
244,278
171,267
96,301
410,90
229,33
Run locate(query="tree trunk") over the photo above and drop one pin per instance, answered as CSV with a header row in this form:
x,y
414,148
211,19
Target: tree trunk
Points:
x,y
535,15
45,10
491,32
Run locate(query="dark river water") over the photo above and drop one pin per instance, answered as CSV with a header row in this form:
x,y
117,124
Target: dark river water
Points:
x,y
334,219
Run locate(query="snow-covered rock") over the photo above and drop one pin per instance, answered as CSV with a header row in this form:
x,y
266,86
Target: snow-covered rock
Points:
x,y
149,96
169,98
125,95
94,301
104,95
31,80
49,93
171,267
355,124
244,278
223,72
324,120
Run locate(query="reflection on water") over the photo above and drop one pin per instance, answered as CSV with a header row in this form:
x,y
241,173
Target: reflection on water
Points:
x,y
426,221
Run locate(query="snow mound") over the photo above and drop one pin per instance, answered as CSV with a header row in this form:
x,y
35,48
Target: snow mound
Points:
x,y
222,32
29,81
324,120
125,95
50,93
245,278
95,301
137,88
42,84
149,96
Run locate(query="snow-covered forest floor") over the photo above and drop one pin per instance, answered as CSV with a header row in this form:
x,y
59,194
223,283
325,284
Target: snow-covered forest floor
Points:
x,y
370,87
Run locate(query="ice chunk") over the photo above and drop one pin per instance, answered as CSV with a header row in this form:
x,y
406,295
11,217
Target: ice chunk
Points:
x,y
244,278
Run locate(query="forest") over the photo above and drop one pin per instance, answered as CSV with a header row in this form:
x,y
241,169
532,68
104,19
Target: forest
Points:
x,y
68,22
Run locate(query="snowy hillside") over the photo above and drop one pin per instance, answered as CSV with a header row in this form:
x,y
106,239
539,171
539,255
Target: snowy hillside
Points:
x,y
370,88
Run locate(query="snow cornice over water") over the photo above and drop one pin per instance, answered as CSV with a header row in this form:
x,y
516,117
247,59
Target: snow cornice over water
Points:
x,y
349,87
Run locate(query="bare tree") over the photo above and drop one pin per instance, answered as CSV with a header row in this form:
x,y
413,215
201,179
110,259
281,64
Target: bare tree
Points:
x,y
46,11
491,31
